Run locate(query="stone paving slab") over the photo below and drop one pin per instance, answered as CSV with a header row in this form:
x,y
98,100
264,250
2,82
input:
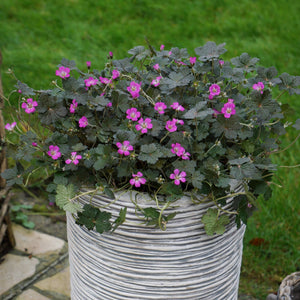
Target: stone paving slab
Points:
x,y
31,295
35,257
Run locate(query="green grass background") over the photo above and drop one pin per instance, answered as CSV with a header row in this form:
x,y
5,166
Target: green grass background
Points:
x,y
36,34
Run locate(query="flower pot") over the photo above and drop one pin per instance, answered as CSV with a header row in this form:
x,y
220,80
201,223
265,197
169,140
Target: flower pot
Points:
x,y
139,262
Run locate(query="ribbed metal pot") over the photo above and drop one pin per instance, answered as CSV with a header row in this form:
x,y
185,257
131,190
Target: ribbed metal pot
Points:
x,y
138,262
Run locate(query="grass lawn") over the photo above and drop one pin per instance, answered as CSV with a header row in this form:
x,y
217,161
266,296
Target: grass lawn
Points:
x,y
36,34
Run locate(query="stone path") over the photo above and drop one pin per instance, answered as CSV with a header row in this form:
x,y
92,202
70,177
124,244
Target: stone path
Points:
x,y
38,268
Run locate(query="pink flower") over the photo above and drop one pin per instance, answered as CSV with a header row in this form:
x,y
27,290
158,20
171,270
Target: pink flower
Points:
x,y
185,155
74,158
34,144
221,62
180,63
124,148
111,54
156,67
170,53
162,47
193,60
90,81
228,109
29,106
19,91
88,64
178,176
73,106
156,81
109,104
160,107
105,80
177,149
83,122
180,122
63,72
54,152
259,87
115,74
144,125
177,106
133,114
10,127
137,179
214,89
134,89
210,97
216,112
171,125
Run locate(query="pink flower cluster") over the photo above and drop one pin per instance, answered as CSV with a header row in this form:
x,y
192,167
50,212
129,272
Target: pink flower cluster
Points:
x,y
74,159
228,109
91,81
83,122
29,106
137,179
178,176
180,151
73,106
54,153
10,127
259,87
133,114
156,82
171,126
144,125
160,107
63,72
214,90
134,89
125,148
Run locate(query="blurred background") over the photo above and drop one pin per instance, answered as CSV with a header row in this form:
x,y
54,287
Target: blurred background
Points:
x,y
36,34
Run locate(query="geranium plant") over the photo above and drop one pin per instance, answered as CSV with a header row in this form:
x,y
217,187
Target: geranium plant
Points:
x,y
160,122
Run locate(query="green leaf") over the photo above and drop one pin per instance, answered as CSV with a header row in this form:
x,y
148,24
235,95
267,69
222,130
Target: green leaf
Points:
x,y
213,223
28,224
26,90
108,192
72,207
68,63
12,177
87,216
210,51
245,62
120,219
297,124
102,222
197,179
245,171
169,188
150,153
64,194
99,164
